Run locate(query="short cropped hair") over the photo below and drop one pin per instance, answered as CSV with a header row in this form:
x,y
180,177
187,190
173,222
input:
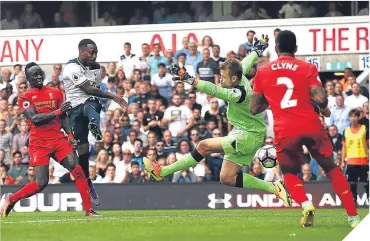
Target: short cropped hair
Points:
x,y
17,153
84,42
111,165
234,67
251,31
134,163
286,41
182,54
29,65
355,112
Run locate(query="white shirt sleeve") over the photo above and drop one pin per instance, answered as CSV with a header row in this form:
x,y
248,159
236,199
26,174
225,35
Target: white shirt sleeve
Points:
x,y
169,80
137,63
75,74
152,81
364,100
167,113
187,112
119,63
346,101
266,53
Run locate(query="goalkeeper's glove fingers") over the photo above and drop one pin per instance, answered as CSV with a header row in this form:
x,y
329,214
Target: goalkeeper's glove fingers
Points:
x,y
190,80
262,42
177,69
174,69
185,78
260,45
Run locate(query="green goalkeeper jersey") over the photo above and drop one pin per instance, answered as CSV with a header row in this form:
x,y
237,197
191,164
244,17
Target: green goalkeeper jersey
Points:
x,y
238,112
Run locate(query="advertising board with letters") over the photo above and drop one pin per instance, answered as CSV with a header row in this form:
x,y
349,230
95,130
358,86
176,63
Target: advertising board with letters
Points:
x,y
315,37
152,196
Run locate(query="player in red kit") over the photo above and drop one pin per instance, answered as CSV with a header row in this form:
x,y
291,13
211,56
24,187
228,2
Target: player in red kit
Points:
x,y
289,86
45,111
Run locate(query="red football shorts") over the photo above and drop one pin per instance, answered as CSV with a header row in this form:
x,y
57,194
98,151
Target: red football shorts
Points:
x,y
290,152
42,150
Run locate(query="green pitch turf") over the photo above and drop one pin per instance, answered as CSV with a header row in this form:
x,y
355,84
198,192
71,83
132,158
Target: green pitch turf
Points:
x,y
183,225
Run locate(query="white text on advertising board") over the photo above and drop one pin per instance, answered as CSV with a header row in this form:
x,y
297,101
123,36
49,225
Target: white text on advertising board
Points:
x,y
50,203
271,201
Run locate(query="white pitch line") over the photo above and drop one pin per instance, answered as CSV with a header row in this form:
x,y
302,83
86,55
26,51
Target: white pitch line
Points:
x,y
65,220
120,218
104,218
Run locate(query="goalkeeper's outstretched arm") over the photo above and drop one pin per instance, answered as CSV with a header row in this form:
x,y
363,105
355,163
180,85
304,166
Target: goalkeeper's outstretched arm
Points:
x,y
248,62
235,95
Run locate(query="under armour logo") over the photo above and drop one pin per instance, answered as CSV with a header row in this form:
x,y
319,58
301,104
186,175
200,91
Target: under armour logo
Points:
x,y
213,200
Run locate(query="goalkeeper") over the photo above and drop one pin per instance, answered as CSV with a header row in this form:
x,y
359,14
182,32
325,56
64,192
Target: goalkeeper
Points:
x,y
243,141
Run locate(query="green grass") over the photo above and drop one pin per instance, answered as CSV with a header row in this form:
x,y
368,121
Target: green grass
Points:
x,y
183,225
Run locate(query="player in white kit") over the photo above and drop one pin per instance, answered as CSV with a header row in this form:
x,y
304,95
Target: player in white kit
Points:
x,y
82,77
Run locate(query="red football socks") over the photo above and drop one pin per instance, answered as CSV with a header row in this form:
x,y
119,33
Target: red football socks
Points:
x,y
25,192
82,186
295,187
342,189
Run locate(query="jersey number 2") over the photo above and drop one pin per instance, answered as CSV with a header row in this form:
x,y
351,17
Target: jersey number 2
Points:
x,y
286,102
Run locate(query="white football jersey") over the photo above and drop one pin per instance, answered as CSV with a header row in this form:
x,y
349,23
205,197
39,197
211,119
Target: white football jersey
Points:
x,y
128,64
74,75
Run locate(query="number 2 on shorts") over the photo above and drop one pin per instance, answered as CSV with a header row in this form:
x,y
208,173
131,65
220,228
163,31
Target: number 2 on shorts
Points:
x,y
286,102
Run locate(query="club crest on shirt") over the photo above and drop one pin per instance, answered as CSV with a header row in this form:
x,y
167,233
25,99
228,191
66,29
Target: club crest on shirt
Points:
x,y
26,104
51,96
75,77
236,92
34,97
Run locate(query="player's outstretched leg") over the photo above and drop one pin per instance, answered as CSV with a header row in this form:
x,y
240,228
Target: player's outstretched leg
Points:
x,y
295,186
42,179
231,176
92,112
340,186
83,152
70,163
203,149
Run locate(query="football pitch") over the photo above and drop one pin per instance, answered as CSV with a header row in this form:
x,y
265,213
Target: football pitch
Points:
x,y
182,225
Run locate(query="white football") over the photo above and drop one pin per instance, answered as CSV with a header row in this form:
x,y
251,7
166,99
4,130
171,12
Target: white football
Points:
x,y
267,156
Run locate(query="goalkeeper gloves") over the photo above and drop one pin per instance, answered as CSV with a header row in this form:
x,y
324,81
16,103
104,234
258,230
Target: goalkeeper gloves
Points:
x,y
180,74
260,45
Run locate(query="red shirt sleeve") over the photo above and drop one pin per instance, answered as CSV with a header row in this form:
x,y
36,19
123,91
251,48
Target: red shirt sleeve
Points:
x,y
314,78
24,103
257,83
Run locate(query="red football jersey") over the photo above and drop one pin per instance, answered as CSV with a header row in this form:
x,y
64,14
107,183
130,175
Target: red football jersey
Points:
x,y
44,100
286,84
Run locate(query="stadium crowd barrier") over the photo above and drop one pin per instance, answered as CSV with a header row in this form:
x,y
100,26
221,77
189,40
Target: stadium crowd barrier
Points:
x,y
153,196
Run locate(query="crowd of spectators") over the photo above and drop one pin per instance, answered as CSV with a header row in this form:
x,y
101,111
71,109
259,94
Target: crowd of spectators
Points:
x,y
75,14
165,119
